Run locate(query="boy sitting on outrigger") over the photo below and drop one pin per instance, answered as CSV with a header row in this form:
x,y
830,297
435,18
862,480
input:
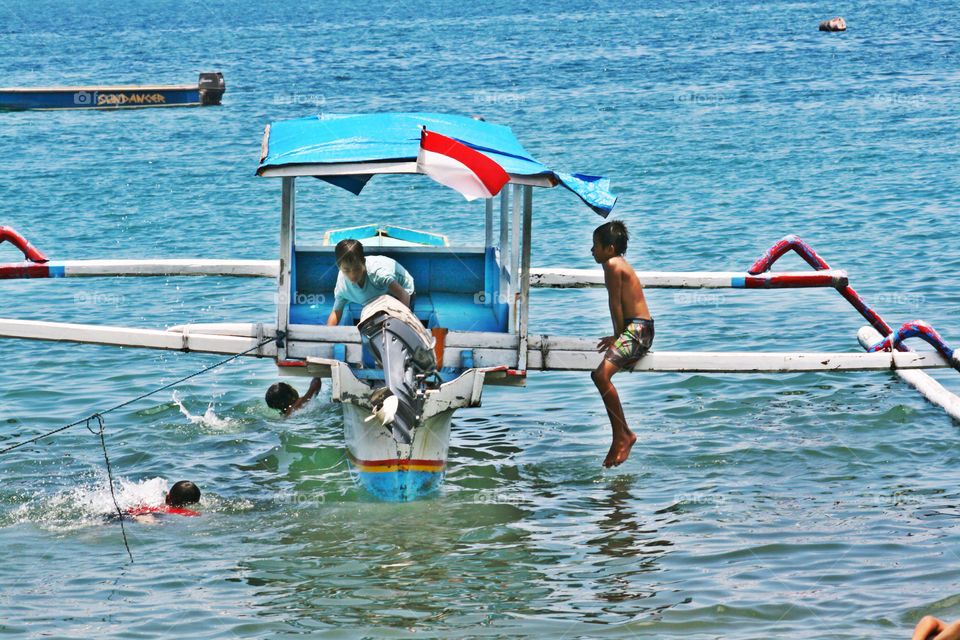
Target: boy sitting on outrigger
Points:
x,y
362,280
632,330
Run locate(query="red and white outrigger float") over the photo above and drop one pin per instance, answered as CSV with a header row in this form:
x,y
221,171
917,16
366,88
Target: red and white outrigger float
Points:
x,y
454,341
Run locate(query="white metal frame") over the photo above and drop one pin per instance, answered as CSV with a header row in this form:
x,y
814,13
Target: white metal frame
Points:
x,y
287,238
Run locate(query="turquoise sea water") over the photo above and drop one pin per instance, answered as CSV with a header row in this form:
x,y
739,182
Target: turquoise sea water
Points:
x,y
791,506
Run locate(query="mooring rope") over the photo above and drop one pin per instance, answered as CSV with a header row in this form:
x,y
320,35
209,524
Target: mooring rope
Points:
x,y
106,458
98,417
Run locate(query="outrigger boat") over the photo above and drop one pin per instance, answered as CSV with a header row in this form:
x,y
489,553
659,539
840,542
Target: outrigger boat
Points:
x,y
400,374
208,91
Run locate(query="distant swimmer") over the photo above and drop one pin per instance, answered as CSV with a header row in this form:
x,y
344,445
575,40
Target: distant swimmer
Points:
x,y
285,399
632,330
930,628
834,24
181,494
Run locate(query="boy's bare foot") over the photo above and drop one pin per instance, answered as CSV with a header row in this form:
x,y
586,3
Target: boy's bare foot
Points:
x,y
620,449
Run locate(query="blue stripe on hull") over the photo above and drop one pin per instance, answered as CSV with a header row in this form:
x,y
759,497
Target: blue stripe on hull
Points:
x,y
398,486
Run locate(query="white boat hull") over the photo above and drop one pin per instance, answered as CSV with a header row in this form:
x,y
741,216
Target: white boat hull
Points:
x,y
388,469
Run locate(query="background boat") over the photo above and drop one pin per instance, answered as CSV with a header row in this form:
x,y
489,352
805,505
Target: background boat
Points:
x,y
207,91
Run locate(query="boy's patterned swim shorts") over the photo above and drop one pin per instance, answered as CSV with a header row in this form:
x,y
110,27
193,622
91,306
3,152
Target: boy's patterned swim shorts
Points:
x,y
632,344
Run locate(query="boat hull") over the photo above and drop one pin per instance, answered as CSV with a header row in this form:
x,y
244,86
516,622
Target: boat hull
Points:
x,y
388,469
207,91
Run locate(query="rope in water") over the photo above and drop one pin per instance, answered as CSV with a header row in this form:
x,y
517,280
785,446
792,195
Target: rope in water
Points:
x,y
98,417
106,458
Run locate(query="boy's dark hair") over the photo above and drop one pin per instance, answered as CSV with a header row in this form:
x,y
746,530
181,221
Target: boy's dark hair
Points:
x,y
183,492
280,396
613,233
349,251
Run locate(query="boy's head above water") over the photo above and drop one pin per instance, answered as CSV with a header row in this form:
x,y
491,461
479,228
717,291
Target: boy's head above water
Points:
x,y
281,396
183,492
609,240
350,259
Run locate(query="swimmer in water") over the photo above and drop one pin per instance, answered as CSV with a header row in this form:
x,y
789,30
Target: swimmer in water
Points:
x,y
181,494
285,399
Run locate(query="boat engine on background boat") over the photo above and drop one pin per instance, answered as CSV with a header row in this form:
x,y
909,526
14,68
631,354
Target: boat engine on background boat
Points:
x,y
402,346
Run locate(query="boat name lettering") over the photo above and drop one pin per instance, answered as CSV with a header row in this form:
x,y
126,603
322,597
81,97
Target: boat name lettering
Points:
x,y
130,98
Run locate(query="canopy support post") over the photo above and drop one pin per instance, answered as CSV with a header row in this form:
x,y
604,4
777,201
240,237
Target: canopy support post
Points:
x,y
504,247
488,224
514,259
284,284
525,277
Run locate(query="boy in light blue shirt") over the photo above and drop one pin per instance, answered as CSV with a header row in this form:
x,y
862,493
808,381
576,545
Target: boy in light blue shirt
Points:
x,y
362,280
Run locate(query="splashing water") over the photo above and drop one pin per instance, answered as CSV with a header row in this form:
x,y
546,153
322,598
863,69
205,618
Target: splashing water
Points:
x,y
208,419
83,506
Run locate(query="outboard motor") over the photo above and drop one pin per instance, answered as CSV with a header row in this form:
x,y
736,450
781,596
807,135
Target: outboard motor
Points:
x,y
211,88
404,349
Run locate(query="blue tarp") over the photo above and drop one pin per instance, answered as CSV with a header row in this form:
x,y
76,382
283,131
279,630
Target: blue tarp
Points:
x,y
337,139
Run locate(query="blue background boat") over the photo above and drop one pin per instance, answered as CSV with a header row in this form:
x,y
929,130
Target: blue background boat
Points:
x,y
207,91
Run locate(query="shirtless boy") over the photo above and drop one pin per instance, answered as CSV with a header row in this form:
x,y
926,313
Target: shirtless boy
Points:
x,y
632,330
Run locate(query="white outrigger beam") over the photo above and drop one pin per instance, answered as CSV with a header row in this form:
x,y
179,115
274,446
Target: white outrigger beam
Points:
x,y
932,390
140,268
489,350
539,277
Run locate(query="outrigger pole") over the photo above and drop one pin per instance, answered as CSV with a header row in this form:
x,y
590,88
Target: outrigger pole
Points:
x,y
500,351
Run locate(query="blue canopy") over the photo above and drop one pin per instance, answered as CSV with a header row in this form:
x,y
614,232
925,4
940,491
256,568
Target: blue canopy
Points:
x,y
376,139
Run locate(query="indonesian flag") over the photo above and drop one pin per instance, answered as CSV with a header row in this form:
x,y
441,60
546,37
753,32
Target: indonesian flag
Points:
x,y
459,167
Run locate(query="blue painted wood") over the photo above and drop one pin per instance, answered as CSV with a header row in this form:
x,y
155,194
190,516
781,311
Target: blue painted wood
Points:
x,y
353,233
455,288
399,235
418,237
72,99
209,89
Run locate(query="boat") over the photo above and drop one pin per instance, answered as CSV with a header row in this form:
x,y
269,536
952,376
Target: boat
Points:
x,y
401,374
207,91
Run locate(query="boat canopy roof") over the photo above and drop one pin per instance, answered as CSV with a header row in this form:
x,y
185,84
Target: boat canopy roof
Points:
x,y
348,149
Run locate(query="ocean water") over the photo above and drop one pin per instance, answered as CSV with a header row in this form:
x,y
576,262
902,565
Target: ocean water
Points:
x,y
753,506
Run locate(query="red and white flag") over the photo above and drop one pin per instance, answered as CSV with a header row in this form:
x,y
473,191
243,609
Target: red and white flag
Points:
x,y
459,167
